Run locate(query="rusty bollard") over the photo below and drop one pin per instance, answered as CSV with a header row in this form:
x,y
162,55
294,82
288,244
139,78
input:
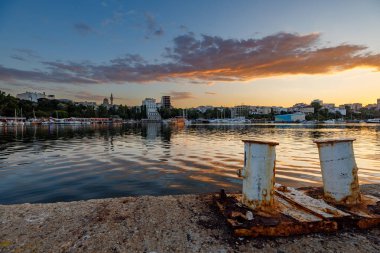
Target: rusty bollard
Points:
x,y
339,171
258,173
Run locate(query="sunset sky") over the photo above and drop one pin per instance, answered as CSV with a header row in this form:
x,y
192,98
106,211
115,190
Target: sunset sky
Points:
x,y
199,52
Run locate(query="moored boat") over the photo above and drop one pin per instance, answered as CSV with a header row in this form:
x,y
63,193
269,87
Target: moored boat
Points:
x,y
377,120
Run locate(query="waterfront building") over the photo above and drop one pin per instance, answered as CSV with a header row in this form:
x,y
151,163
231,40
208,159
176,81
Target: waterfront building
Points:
x,y
372,107
105,102
297,107
378,104
151,109
342,112
279,109
34,96
166,102
329,105
240,111
307,110
260,110
289,118
356,106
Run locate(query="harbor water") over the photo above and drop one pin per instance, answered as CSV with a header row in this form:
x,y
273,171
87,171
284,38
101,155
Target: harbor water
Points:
x,y
65,163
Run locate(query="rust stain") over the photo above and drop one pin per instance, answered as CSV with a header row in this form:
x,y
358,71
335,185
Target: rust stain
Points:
x,y
287,229
274,221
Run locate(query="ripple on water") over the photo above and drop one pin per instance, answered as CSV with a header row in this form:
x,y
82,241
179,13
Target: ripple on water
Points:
x,y
47,164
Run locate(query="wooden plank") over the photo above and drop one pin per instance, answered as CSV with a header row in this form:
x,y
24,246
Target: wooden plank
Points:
x,y
300,215
316,206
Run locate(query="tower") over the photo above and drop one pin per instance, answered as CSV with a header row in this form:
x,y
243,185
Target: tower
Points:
x,y
111,99
165,102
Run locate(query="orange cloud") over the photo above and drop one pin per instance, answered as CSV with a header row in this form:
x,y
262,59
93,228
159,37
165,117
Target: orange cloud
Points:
x,y
210,59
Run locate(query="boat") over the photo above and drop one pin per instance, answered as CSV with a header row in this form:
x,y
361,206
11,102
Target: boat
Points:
x,y
178,121
377,120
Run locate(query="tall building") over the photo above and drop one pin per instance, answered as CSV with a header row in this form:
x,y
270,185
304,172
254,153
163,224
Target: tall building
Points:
x,y
378,104
151,109
240,111
111,99
165,102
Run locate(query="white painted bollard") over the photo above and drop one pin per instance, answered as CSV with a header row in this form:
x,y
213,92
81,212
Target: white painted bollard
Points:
x,y
339,170
258,173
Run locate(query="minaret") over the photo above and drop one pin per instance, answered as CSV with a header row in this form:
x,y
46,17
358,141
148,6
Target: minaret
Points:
x,y
111,98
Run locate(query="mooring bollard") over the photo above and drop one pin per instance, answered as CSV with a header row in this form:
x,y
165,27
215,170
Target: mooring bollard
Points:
x,y
258,173
339,170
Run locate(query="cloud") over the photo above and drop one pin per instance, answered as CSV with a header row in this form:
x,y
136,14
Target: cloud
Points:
x,y
210,93
152,27
17,57
23,54
179,95
9,74
83,28
211,59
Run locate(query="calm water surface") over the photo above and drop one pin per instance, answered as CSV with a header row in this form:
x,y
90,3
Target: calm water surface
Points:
x,y
65,163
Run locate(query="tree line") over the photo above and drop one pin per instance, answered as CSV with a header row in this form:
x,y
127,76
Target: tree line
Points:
x,y
45,108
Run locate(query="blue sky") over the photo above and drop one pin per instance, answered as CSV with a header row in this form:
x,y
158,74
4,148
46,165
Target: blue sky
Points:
x,y
199,52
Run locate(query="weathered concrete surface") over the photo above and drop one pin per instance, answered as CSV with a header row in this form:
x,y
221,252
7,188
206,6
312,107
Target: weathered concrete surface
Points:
x,y
186,223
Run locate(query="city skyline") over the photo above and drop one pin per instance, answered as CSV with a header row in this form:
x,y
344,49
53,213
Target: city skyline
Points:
x,y
200,53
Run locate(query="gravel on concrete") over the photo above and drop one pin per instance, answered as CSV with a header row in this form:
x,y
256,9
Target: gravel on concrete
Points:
x,y
182,223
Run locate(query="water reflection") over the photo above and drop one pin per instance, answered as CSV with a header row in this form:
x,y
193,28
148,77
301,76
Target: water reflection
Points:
x,y
63,163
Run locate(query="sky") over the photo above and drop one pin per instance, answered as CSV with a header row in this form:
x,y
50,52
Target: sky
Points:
x,y
220,53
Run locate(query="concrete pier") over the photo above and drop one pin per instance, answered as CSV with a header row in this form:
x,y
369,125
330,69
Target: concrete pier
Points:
x,y
184,223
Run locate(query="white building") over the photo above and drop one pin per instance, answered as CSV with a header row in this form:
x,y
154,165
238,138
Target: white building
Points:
x,y
297,107
307,110
34,96
342,112
240,111
151,109
279,109
329,105
262,110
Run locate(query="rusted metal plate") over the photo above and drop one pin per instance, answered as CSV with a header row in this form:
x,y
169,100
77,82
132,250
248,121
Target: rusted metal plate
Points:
x,y
317,207
283,219
364,215
296,212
